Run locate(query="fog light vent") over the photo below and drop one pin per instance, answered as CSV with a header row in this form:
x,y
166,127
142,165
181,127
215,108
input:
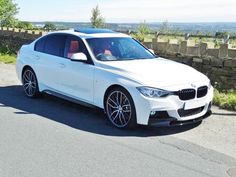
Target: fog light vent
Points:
x,y
159,115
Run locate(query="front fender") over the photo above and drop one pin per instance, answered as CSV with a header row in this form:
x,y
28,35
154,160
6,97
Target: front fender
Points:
x,y
103,79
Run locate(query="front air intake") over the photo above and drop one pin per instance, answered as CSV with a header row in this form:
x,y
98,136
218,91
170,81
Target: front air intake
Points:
x,y
190,112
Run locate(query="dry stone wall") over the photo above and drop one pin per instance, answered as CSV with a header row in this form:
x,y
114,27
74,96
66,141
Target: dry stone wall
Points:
x,y
219,64
13,39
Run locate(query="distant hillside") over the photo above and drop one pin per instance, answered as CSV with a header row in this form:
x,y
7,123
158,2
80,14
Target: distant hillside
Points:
x,y
211,28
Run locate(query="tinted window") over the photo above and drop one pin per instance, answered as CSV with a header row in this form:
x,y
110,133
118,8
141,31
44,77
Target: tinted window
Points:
x,y
75,45
55,45
39,46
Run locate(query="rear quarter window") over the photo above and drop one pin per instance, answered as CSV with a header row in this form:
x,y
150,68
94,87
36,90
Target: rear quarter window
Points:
x,y
39,45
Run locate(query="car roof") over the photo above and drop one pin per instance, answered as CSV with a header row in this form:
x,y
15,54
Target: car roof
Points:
x,y
92,33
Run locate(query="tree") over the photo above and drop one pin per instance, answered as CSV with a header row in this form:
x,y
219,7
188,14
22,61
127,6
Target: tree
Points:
x,y
165,27
143,30
24,25
8,10
49,26
97,20
221,34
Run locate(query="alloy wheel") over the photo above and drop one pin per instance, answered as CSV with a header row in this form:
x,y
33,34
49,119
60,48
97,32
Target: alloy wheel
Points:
x,y
119,109
29,83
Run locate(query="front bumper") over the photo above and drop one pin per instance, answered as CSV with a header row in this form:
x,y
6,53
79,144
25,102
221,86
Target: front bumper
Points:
x,y
175,122
171,110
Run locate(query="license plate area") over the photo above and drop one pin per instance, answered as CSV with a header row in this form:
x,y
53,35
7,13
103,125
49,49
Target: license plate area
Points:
x,y
194,104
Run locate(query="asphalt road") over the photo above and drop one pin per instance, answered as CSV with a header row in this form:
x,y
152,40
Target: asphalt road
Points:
x,y
50,137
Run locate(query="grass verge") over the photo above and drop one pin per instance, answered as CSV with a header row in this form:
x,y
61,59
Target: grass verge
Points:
x,y
226,100
7,59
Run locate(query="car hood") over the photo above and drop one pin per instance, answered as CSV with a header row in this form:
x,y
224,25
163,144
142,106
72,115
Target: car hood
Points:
x,y
157,72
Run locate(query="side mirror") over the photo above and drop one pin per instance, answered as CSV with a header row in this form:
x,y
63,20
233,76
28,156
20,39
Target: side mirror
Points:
x,y
79,57
152,51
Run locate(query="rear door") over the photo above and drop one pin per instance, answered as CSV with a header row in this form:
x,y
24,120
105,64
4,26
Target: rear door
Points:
x,y
50,58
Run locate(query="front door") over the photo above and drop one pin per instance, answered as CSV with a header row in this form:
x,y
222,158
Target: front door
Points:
x,y
76,77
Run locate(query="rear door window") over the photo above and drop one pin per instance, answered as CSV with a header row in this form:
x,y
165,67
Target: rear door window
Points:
x,y
55,45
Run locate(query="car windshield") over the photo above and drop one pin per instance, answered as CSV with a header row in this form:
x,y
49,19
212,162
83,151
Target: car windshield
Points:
x,y
118,48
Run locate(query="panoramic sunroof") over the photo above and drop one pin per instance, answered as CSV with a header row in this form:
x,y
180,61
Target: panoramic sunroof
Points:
x,y
94,30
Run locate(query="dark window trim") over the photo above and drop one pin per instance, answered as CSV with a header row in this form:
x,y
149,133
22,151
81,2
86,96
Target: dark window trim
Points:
x,y
90,61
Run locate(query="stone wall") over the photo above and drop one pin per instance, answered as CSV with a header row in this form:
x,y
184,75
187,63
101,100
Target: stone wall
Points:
x,y
12,39
219,64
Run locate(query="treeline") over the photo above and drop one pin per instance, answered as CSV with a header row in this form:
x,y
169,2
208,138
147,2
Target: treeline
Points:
x,y
8,11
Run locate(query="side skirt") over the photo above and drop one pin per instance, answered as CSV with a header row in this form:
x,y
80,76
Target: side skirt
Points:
x,y
64,97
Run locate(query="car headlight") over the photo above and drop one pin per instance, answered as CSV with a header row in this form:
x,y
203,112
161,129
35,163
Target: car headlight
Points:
x,y
153,92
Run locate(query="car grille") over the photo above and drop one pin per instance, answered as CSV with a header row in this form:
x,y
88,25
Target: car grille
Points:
x,y
190,112
202,91
188,94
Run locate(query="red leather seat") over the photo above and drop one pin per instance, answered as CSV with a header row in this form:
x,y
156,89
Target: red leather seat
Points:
x,y
74,47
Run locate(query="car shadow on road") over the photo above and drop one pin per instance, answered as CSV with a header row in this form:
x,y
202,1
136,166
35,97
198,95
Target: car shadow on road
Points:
x,y
76,116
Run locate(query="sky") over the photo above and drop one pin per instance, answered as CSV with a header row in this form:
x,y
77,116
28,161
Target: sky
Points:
x,y
125,11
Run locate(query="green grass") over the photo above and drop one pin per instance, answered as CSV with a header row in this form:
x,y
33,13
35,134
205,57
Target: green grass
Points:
x,y
226,100
7,59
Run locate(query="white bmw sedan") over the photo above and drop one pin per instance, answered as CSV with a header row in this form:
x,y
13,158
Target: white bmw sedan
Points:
x,y
114,72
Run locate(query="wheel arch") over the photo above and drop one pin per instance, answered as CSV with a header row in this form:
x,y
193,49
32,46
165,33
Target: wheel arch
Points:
x,y
133,119
24,68
112,87
36,93
28,67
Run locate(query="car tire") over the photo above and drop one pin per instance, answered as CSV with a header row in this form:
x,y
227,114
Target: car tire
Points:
x,y
30,83
120,109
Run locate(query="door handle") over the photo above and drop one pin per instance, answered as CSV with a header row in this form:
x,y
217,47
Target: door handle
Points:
x,y
61,65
